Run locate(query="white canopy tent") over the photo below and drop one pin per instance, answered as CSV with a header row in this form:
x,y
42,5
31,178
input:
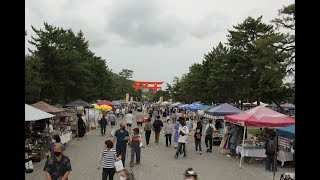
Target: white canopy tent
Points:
x,y
34,114
261,103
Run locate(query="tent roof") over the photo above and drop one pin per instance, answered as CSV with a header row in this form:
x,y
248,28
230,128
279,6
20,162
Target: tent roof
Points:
x,y
260,116
105,102
183,105
78,103
46,107
222,110
197,107
212,106
34,114
287,131
176,104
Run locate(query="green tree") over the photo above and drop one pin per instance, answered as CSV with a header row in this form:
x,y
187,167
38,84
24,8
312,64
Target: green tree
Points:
x,y
259,66
33,79
127,73
286,21
62,68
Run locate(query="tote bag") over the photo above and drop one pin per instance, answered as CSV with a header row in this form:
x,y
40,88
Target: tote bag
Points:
x,y
118,165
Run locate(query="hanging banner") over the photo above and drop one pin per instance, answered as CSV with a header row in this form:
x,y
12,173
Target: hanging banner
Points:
x,y
127,98
161,99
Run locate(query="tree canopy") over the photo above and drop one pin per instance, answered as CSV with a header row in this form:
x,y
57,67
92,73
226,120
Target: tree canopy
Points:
x,y
62,68
251,66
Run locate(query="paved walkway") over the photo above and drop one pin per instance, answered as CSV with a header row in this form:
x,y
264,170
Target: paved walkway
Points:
x,y
157,162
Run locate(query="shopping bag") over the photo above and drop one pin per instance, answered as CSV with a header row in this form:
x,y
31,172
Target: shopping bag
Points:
x,y
118,165
145,120
112,132
29,167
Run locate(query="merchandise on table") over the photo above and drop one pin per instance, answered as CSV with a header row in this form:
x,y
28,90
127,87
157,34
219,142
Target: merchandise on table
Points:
x,y
284,143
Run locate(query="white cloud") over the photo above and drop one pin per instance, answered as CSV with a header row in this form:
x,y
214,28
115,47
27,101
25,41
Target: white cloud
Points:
x,y
157,39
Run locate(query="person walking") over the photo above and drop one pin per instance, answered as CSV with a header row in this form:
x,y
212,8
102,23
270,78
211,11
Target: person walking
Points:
x,y
103,124
117,112
81,126
157,126
139,119
121,136
147,129
112,120
109,156
135,147
183,139
58,166
47,132
176,134
56,139
233,139
129,118
197,139
199,124
209,133
168,132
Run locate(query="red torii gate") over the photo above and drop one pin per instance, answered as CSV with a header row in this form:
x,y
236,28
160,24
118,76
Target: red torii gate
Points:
x,y
145,85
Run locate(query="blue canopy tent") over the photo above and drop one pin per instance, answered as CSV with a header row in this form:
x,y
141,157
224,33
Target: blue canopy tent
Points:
x,y
116,103
223,110
195,108
183,106
287,131
176,104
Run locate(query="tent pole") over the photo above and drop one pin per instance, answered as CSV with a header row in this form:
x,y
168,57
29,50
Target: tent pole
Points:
x,y
242,150
275,158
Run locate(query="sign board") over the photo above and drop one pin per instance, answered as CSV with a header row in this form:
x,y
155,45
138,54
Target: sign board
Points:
x,y
127,98
161,99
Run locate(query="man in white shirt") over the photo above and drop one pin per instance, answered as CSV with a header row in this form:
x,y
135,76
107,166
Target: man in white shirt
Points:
x,y
209,133
183,133
129,118
117,112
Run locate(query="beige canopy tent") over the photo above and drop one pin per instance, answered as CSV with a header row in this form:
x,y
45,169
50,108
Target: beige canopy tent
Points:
x,y
34,114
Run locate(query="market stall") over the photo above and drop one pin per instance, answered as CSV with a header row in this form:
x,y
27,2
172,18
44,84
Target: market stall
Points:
x,y
35,143
252,151
259,116
63,121
217,113
286,137
80,106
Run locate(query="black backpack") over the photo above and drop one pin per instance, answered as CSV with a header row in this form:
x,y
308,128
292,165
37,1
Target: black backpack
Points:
x,y
209,130
156,125
271,145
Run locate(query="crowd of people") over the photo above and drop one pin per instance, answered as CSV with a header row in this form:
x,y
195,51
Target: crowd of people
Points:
x,y
174,124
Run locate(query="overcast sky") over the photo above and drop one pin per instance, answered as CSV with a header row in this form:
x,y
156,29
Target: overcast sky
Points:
x,y
157,39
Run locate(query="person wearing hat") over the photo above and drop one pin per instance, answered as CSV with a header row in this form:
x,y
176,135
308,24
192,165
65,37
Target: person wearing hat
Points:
x,y
190,174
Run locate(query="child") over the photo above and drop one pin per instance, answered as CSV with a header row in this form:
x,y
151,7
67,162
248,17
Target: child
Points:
x,y
197,139
135,142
